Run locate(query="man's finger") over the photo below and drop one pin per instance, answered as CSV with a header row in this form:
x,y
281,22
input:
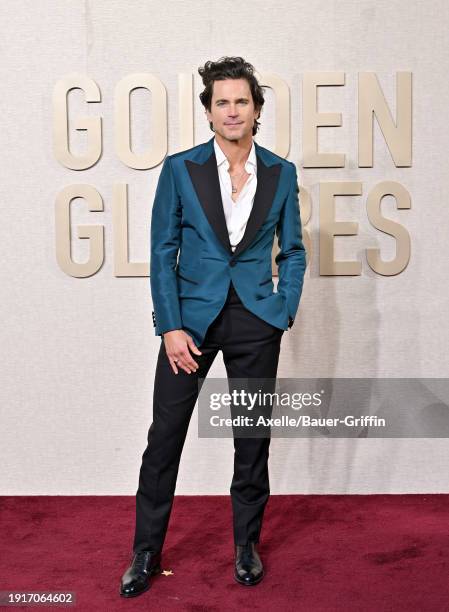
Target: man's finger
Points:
x,y
173,365
193,347
189,360
181,362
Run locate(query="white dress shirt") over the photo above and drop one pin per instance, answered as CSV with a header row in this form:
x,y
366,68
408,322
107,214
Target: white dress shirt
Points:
x,y
236,213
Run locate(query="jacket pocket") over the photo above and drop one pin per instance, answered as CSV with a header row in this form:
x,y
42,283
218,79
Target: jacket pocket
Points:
x,y
184,277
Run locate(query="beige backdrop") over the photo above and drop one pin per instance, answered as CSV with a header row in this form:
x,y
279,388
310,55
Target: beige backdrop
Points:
x,y
78,354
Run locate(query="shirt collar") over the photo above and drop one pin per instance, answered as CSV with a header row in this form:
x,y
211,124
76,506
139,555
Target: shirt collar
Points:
x,y
221,157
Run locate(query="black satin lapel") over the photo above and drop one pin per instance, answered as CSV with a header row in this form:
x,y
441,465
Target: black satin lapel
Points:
x,y
206,182
267,184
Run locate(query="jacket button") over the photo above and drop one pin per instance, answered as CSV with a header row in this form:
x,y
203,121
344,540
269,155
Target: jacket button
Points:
x,y
232,262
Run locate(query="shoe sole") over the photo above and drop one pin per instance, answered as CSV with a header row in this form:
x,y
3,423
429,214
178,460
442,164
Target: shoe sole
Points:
x,y
153,571
249,583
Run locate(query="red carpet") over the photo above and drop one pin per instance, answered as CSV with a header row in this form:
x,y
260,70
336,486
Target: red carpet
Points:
x,y
320,552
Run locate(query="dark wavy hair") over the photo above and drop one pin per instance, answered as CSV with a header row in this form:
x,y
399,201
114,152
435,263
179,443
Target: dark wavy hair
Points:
x,y
230,68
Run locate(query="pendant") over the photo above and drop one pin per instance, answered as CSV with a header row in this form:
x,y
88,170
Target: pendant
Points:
x,y
234,189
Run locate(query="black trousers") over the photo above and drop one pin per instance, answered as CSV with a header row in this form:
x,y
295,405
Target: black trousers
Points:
x,y
250,348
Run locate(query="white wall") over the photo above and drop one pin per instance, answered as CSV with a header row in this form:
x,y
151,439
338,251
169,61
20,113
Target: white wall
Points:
x,y
79,355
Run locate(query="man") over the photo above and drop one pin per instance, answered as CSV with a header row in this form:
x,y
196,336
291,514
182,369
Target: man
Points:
x,y
216,210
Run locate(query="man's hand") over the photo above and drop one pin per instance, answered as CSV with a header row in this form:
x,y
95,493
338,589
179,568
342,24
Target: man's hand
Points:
x,y
177,345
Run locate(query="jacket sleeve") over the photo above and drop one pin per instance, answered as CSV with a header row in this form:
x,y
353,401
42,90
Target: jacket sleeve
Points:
x,y
291,259
165,241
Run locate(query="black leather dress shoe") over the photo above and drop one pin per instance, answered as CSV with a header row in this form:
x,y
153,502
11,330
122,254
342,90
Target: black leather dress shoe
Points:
x,y
136,579
248,566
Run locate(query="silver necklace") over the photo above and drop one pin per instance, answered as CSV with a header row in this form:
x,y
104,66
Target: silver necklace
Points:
x,y
234,188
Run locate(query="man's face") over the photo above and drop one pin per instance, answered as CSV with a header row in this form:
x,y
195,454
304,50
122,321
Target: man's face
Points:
x,y
232,109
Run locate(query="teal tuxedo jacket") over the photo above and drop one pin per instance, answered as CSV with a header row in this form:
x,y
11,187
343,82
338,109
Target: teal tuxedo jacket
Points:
x,y
192,263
